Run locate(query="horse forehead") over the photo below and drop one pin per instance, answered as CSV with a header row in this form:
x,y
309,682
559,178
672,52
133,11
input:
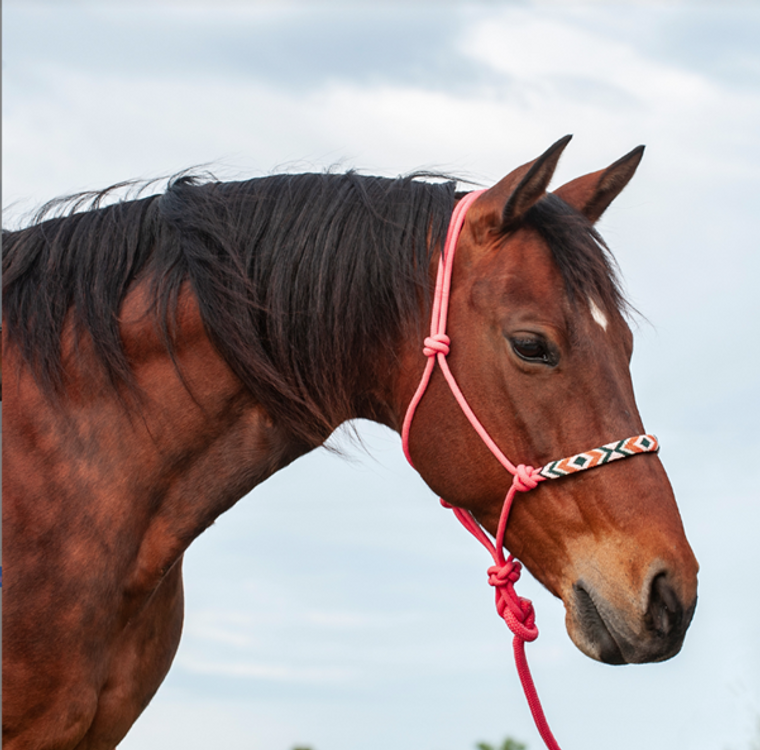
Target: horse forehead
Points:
x,y
518,270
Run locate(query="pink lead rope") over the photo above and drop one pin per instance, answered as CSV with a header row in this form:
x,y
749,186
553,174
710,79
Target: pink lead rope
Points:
x,y
516,610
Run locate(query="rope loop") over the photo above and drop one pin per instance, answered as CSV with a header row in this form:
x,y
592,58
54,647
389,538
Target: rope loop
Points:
x,y
524,629
439,343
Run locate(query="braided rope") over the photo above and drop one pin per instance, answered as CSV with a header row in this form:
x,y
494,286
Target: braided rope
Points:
x,y
516,611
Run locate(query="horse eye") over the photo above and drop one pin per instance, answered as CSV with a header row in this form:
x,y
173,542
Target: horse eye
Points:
x,y
532,350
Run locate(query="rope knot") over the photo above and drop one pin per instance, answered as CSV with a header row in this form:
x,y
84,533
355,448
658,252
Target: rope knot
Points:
x,y
516,611
526,478
501,575
436,344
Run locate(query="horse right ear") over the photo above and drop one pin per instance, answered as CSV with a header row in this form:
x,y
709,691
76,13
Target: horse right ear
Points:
x,y
592,193
507,201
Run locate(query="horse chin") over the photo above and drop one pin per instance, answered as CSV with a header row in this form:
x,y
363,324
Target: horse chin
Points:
x,y
588,630
607,635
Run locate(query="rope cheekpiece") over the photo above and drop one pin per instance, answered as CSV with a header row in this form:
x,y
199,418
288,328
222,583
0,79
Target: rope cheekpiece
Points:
x,y
516,611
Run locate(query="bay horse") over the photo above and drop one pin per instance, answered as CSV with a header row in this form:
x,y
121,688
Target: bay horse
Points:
x,y
166,354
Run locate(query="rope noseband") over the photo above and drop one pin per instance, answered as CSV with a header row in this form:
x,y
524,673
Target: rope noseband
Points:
x,y
516,611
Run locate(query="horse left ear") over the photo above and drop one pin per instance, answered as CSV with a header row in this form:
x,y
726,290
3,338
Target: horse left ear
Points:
x,y
508,200
592,193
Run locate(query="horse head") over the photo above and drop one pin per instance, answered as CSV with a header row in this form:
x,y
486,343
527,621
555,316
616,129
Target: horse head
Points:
x,y
541,347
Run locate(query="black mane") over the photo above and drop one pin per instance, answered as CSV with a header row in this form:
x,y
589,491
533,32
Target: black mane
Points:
x,y
300,279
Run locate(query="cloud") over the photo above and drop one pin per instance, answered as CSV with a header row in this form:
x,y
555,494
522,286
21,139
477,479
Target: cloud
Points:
x,y
268,672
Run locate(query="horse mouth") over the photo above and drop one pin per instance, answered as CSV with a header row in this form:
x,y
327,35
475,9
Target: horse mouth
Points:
x,y
599,642
605,634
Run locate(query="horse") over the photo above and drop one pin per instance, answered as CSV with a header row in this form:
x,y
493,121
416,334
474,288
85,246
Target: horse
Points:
x,y
166,354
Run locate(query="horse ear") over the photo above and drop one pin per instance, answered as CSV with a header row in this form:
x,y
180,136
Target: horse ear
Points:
x,y
592,193
508,200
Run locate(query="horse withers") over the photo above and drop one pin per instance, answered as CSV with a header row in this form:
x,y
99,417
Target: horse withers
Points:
x,y
167,354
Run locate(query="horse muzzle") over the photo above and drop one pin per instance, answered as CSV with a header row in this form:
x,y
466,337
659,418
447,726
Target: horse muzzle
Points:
x,y
650,630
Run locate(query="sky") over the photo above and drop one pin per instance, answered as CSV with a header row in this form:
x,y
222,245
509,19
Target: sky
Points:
x,y
338,606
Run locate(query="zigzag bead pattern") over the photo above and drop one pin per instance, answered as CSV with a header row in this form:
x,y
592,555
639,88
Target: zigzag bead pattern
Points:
x,y
600,456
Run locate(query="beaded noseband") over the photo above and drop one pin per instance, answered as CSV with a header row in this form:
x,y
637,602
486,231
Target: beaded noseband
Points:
x,y
516,611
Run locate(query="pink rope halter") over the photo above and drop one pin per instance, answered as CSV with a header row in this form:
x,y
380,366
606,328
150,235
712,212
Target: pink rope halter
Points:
x,y
516,611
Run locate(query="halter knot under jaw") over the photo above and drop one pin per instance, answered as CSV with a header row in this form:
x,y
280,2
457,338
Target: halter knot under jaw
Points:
x,y
436,344
516,611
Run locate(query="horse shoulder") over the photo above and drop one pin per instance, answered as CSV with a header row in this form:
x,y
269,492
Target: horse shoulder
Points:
x,y
103,493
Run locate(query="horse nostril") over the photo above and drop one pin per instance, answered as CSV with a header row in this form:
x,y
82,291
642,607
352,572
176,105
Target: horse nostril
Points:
x,y
665,612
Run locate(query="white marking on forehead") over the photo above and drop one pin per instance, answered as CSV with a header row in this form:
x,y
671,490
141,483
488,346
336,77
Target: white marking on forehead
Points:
x,y
597,314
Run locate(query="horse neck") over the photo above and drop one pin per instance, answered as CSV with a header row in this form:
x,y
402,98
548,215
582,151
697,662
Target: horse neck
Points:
x,y
152,470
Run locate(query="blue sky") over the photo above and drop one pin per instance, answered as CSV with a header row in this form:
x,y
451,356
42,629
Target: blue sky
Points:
x,y
338,605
